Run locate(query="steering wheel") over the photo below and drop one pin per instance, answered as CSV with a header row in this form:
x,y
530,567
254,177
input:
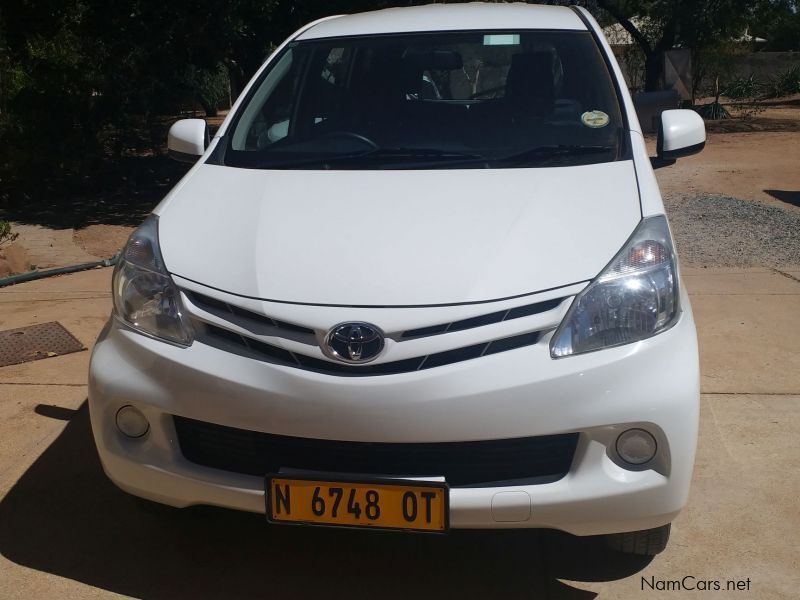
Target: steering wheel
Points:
x,y
353,135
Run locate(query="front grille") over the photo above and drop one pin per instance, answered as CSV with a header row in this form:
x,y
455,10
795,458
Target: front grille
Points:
x,y
479,321
543,458
219,308
264,351
251,325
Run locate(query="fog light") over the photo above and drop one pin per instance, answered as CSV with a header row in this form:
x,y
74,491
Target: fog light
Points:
x,y
636,446
131,422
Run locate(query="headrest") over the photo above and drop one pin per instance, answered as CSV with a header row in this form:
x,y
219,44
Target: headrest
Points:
x,y
437,60
530,82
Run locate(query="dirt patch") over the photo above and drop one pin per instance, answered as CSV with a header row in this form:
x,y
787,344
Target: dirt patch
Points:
x,y
103,241
758,165
754,123
737,203
14,259
753,157
779,114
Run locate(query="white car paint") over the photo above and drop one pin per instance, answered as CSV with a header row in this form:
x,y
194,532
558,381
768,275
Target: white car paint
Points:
x,y
519,393
245,237
474,224
649,194
438,17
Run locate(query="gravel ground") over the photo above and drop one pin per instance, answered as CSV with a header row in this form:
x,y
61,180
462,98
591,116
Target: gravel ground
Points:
x,y
720,231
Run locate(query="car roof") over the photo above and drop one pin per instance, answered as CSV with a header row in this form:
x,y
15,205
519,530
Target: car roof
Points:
x,y
448,17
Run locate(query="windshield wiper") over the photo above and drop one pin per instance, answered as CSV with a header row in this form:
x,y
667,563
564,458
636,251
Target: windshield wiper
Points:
x,y
403,154
552,151
415,157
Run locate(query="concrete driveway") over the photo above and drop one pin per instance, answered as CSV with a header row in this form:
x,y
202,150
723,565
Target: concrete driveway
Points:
x,y
67,532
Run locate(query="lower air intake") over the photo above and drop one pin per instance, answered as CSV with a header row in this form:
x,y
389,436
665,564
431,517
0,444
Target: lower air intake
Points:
x,y
461,463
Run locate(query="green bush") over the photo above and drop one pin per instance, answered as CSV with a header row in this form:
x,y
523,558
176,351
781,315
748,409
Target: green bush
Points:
x,y
6,236
713,111
744,88
208,87
785,84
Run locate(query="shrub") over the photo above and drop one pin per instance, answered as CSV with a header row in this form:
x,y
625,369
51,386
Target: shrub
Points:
x,y
713,111
744,88
209,87
6,236
786,83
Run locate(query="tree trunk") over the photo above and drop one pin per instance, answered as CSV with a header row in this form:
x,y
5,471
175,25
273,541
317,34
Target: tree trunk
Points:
x,y
653,69
654,54
210,109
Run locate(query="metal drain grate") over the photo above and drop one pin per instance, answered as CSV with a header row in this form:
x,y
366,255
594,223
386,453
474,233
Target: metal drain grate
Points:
x,y
35,342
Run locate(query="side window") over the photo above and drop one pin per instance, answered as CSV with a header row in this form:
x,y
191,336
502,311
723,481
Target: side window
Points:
x,y
266,118
276,114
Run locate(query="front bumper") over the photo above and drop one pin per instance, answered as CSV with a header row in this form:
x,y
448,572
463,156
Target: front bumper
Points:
x,y
521,393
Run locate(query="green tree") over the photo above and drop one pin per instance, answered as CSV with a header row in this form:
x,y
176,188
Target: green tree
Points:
x,y
778,22
78,76
658,25
70,70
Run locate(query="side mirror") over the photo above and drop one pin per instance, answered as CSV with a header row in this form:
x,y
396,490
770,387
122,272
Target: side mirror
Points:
x,y
680,133
187,139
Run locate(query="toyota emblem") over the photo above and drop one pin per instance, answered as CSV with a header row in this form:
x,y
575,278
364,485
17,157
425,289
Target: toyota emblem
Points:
x,y
354,342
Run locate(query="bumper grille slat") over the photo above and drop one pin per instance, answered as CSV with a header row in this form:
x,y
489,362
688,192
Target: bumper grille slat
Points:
x,y
461,463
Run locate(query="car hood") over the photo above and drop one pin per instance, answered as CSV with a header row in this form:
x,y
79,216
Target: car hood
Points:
x,y
396,238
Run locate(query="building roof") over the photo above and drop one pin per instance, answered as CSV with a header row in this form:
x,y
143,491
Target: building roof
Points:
x,y
448,17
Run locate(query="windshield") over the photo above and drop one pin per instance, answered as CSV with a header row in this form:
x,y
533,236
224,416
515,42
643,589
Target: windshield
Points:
x,y
436,100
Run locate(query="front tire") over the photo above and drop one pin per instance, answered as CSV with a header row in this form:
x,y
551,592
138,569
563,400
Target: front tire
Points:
x,y
648,542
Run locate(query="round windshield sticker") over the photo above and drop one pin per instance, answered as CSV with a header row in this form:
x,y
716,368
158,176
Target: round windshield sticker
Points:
x,y
595,119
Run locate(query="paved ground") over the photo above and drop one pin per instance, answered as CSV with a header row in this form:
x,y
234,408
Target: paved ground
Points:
x,y
48,248
66,531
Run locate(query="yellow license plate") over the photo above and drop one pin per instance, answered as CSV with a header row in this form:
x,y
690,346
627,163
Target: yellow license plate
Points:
x,y
380,504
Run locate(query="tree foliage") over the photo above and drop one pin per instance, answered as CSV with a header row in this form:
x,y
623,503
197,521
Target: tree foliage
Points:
x,y
659,25
777,22
78,76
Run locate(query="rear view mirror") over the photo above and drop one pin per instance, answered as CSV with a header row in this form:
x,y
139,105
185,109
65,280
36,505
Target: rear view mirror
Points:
x,y
680,133
187,139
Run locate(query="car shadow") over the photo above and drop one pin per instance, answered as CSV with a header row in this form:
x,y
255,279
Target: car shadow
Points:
x,y
66,518
786,196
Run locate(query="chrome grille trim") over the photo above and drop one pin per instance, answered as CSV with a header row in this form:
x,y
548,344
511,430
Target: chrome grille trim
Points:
x,y
221,309
221,324
481,320
275,354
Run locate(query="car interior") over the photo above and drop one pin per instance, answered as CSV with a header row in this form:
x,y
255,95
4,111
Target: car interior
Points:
x,y
453,97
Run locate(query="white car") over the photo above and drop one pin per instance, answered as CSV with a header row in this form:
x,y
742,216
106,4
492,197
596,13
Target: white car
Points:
x,y
420,279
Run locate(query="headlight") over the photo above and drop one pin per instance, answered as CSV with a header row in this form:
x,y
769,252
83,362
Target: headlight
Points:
x,y
634,298
144,295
